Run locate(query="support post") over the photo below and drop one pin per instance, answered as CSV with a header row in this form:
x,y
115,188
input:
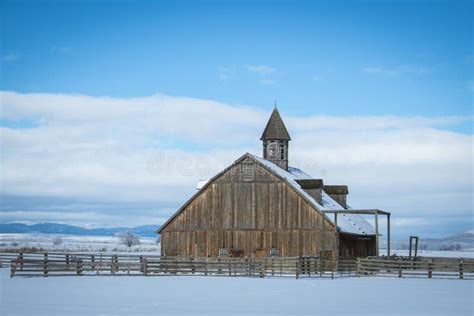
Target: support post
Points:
x,y
336,239
376,234
409,254
388,235
323,232
336,244
416,247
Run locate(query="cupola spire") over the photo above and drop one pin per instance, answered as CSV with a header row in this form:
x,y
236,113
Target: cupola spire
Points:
x,y
275,139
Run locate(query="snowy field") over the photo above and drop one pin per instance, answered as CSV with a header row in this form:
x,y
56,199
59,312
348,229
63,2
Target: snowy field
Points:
x,y
432,253
232,296
148,245
76,243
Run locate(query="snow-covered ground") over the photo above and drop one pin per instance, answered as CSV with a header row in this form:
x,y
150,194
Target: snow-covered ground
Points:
x,y
76,243
232,296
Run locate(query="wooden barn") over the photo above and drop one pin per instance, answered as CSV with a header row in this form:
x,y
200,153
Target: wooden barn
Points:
x,y
259,207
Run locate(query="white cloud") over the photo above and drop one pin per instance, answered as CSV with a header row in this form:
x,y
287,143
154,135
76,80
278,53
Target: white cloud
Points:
x,y
261,69
397,71
154,149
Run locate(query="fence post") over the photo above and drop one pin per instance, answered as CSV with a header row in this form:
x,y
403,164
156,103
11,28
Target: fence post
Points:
x,y
67,260
358,267
112,265
399,270
21,260
332,270
45,265
145,266
262,268
297,267
79,266
461,269
100,264
13,268
430,269
323,266
308,266
93,262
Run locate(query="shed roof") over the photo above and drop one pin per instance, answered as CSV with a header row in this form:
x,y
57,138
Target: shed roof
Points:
x,y
275,129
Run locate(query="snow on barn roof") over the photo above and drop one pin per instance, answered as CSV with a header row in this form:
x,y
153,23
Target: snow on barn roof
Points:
x,y
348,223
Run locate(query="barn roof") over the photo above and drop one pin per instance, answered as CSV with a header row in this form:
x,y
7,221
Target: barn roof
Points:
x,y
347,223
275,129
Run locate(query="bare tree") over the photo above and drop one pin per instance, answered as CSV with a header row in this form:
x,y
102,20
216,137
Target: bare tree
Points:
x,y
128,238
58,240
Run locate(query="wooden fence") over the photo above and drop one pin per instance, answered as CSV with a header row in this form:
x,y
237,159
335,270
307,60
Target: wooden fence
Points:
x,y
419,268
62,264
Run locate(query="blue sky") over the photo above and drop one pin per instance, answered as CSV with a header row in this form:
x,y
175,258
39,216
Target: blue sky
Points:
x,y
377,94
322,57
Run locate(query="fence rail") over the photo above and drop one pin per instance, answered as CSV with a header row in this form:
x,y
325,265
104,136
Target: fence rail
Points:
x,y
424,268
50,264
62,264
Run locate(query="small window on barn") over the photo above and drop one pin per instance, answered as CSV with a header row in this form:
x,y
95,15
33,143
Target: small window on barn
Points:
x,y
223,252
273,252
247,172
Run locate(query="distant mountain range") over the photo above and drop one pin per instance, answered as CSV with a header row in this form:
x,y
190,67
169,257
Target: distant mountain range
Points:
x,y
54,228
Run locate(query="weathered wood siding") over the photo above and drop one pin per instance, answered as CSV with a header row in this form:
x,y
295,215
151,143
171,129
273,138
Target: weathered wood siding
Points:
x,y
247,209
